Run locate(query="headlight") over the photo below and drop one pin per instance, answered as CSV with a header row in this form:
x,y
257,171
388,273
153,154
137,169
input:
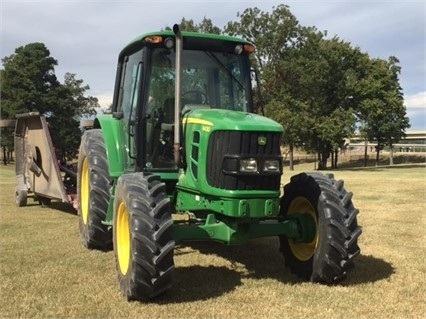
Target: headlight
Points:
x,y
248,165
271,166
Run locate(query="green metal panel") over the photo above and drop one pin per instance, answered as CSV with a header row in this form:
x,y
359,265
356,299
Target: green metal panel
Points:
x,y
242,207
219,119
112,133
111,130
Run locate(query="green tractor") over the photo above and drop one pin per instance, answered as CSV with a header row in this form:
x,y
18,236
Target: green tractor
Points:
x,y
183,156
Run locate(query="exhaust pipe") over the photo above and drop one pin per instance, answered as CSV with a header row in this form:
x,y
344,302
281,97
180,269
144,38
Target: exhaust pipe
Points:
x,y
178,89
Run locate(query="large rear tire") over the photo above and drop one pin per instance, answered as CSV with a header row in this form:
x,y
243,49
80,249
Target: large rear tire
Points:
x,y
143,239
93,191
329,256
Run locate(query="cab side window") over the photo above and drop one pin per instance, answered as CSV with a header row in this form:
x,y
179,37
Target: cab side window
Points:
x,y
130,81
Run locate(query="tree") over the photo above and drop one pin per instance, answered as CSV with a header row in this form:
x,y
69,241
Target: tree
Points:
x,y
6,142
29,84
275,35
326,72
64,119
383,110
28,80
305,77
293,119
206,26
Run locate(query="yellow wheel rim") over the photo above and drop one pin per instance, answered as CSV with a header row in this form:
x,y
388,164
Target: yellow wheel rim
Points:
x,y
123,238
303,251
84,191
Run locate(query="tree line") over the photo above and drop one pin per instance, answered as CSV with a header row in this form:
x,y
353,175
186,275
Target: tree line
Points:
x,y
29,84
322,90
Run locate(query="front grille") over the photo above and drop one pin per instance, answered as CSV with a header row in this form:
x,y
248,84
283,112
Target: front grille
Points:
x,y
246,144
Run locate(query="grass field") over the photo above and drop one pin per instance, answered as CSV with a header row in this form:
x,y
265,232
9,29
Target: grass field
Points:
x,y
45,271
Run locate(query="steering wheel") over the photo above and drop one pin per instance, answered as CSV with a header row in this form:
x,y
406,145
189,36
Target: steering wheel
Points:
x,y
195,96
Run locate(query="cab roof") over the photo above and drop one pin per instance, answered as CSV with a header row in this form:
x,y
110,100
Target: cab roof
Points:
x,y
208,37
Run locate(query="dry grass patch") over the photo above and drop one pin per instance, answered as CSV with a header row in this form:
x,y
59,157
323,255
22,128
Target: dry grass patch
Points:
x,y
46,272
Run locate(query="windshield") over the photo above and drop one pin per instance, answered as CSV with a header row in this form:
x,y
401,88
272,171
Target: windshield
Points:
x,y
209,80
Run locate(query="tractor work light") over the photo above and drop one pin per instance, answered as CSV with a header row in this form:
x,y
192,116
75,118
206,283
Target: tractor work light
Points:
x,y
154,39
169,43
248,165
238,49
247,48
236,165
271,166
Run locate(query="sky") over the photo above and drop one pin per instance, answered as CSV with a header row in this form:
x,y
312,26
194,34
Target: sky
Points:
x,y
85,37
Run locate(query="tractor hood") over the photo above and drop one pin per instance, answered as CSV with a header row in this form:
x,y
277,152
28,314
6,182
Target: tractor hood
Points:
x,y
215,142
219,119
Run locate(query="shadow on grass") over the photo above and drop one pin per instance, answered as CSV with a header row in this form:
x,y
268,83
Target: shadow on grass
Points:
x,y
260,259
195,283
368,269
63,207
55,205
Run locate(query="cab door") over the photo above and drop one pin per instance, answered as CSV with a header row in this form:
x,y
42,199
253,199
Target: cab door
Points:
x,y
128,101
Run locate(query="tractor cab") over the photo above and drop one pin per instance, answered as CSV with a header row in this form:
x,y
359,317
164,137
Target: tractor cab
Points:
x,y
214,75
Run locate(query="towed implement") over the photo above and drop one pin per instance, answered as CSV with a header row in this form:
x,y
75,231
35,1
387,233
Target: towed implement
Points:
x,y
39,172
183,139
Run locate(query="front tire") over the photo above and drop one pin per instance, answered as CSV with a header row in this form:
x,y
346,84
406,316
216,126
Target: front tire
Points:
x,y
142,234
329,256
93,191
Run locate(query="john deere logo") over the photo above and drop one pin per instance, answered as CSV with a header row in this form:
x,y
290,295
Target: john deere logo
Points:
x,y
261,140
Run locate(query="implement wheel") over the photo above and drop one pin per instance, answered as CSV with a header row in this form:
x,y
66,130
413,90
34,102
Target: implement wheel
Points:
x,y
21,197
143,239
329,255
93,187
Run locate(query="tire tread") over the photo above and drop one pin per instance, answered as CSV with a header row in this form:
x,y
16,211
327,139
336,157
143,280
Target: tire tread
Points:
x,y
95,235
339,230
152,241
